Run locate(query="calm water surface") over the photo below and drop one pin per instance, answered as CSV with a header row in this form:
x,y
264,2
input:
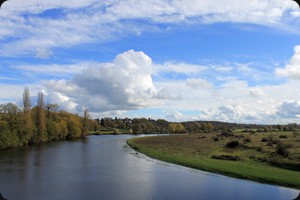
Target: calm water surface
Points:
x,y
103,167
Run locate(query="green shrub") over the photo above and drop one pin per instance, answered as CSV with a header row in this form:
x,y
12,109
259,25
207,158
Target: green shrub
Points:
x,y
233,144
283,136
275,141
258,149
247,139
282,150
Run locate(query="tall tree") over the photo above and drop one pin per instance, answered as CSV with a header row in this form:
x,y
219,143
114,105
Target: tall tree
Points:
x,y
41,119
27,118
26,100
74,126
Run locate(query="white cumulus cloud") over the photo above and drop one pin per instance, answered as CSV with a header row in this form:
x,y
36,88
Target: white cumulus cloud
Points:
x,y
292,69
124,84
289,109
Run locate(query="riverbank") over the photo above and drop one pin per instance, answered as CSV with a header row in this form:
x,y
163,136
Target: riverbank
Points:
x,y
254,157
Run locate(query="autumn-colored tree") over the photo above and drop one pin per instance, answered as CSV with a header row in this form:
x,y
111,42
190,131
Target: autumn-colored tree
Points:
x,y
206,127
39,124
73,124
209,127
11,114
176,128
62,130
56,129
10,125
40,119
7,139
56,126
27,118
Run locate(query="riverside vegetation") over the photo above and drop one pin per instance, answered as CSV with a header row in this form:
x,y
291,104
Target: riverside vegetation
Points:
x,y
270,157
25,125
266,153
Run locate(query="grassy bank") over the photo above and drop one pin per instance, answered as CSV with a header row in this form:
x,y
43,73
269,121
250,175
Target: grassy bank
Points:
x,y
112,131
254,156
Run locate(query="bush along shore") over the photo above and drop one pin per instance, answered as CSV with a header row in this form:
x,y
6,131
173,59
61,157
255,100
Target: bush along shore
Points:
x,y
267,157
26,125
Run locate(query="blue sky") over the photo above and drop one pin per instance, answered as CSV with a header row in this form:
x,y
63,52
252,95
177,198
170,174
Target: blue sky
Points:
x,y
178,59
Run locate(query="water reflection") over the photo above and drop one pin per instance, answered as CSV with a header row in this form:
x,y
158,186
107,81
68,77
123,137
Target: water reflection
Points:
x,y
103,167
298,197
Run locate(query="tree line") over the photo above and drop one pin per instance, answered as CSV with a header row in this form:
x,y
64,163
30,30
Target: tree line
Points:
x,y
161,126
152,126
25,125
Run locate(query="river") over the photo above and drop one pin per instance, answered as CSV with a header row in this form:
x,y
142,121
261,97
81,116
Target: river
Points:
x,y
104,167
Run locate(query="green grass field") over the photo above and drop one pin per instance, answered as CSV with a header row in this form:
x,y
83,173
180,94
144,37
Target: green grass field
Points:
x,y
258,157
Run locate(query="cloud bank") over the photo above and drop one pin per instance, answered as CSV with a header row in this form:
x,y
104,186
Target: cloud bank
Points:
x,y
124,84
128,83
132,82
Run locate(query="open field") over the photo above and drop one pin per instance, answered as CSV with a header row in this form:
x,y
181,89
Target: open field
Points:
x,y
271,157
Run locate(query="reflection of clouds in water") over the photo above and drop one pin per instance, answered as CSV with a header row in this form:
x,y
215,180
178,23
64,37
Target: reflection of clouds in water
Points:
x,y
103,166
298,197
293,193
138,172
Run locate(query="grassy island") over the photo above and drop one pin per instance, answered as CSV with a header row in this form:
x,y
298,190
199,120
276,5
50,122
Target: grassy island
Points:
x,y
272,157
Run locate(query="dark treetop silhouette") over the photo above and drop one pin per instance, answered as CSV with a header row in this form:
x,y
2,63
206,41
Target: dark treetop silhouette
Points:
x,y
1,2
297,1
